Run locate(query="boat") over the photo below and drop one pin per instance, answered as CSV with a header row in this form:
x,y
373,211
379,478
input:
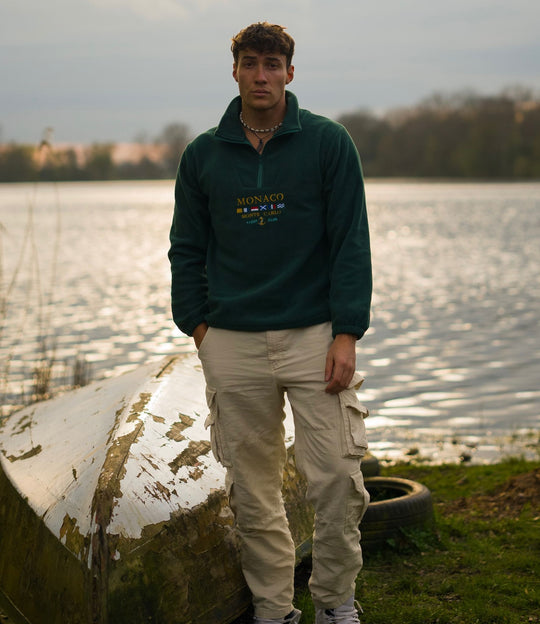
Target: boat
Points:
x,y
113,509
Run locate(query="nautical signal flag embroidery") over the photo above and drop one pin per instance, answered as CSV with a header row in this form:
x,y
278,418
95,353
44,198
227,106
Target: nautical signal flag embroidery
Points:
x,y
260,209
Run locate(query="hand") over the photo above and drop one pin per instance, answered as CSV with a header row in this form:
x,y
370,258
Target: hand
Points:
x,y
340,363
199,333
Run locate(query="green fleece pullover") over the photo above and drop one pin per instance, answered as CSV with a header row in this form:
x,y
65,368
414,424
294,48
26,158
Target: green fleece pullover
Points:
x,y
276,240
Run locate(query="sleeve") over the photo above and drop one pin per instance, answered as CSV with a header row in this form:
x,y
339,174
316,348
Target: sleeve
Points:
x,y
189,237
348,236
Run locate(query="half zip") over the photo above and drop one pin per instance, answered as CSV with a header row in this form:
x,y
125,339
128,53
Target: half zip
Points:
x,y
260,172
230,131
260,168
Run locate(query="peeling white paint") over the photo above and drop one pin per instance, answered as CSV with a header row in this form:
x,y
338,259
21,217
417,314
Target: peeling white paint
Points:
x,y
78,430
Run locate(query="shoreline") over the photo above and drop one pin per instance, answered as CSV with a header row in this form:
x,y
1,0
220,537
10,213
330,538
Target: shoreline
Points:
x,y
491,448
463,501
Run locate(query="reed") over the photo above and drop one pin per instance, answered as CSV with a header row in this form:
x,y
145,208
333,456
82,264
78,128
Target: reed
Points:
x,y
41,379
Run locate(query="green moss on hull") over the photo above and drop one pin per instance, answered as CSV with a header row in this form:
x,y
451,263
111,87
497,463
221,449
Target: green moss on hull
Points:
x,y
182,571
178,570
39,574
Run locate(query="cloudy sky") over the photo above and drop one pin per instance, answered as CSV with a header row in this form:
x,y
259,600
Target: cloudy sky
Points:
x,y
111,70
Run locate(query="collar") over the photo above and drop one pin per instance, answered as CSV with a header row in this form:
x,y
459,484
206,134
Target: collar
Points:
x,y
230,128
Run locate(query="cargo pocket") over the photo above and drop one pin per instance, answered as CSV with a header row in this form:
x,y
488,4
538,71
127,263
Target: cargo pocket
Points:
x,y
354,439
219,447
359,500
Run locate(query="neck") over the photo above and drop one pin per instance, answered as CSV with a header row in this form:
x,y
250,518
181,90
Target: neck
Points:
x,y
266,118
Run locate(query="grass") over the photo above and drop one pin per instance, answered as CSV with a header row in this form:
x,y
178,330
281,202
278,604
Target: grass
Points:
x,y
480,566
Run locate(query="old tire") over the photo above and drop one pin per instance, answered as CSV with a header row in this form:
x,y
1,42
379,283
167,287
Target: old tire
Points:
x,y
370,465
396,505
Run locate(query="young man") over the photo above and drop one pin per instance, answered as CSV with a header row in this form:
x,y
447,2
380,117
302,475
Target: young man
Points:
x,y
271,275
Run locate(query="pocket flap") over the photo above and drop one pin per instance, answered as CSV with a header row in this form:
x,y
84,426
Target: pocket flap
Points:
x,y
353,404
356,381
354,429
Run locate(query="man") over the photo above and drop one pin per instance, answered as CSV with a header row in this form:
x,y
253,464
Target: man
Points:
x,y
271,275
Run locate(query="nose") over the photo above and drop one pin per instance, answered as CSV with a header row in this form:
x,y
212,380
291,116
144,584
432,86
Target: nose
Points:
x,y
261,73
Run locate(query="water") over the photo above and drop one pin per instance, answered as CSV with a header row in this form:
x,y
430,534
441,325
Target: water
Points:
x,y
452,360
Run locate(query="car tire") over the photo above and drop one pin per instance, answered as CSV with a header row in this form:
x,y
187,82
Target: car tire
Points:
x,y
396,504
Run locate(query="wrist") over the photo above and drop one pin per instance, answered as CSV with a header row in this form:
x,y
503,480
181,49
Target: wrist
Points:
x,y
348,337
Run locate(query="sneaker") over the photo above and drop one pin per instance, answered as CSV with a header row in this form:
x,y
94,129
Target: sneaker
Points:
x,y
346,614
292,618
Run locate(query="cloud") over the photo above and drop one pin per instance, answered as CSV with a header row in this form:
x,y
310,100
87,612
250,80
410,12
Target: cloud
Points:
x,y
108,69
158,10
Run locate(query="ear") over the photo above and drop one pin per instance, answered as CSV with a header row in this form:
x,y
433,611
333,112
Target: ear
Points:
x,y
290,74
235,76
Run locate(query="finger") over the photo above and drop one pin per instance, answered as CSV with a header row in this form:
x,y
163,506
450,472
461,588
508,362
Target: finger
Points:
x,y
341,379
334,387
347,378
336,382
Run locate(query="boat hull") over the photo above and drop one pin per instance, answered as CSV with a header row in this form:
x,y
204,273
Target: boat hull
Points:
x,y
114,510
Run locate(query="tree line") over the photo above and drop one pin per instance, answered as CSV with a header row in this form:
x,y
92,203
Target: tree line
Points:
x,y
460,135
463,135
49,163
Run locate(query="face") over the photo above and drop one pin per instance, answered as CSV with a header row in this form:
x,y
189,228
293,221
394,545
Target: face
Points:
x,y
262,79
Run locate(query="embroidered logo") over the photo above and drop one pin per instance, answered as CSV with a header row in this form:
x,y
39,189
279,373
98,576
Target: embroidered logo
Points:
x,y
260,209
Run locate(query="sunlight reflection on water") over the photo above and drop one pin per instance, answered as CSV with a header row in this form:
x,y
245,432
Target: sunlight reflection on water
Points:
x,y
452,358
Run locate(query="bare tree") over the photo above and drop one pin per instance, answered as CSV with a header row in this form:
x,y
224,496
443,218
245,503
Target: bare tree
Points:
x,y
175,137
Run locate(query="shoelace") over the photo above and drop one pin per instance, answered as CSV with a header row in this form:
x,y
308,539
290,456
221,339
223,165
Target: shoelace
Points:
x,y
293,617
345,616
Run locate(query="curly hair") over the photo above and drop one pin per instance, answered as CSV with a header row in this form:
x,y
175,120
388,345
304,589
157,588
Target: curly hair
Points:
x,y
263,37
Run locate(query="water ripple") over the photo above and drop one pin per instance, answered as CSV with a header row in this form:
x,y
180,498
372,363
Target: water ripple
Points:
x,y
452,360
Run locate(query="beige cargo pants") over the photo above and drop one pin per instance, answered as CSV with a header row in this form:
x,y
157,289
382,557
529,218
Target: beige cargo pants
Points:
x,y
247,374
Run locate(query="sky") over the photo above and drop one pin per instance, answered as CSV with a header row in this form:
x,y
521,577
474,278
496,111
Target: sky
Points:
x,y
120,70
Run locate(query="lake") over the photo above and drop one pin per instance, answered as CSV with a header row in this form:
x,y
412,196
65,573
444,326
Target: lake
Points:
x,y
451,361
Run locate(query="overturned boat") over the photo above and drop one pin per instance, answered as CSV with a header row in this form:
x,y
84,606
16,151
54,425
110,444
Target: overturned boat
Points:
x,y
114,510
